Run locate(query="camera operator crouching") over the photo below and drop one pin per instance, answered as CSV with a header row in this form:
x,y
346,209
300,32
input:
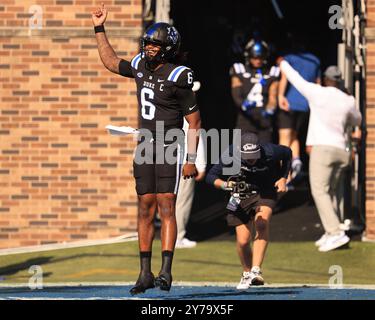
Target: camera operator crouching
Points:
x,y
264,171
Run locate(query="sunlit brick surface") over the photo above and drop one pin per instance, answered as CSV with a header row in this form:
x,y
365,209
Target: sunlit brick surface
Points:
x,y
62,177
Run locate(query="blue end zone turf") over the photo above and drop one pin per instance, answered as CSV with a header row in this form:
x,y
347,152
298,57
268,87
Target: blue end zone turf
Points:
x,y
181,292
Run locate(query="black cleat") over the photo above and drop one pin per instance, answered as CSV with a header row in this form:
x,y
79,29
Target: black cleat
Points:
x,y
144,282
164,281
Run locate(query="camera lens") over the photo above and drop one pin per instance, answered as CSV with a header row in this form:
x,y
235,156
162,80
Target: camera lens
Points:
x,y
242,186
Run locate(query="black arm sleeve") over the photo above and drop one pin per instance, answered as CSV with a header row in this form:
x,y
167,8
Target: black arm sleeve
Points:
x,y
285,155
187,100
125,69
237,96
214,173
226,160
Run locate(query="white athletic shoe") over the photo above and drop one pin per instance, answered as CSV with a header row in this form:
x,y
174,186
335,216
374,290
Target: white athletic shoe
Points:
x,y
296,168
334,242
256,277
185,244
321,240
245,281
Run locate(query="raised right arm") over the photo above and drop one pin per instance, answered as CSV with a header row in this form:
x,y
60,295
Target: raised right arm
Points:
x,y
108,56
308,89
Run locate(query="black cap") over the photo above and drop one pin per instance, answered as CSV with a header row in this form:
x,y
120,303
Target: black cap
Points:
x,y
250,147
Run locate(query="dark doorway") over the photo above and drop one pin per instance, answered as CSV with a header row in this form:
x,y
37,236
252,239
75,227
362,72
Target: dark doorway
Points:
x,y
213,33
209,29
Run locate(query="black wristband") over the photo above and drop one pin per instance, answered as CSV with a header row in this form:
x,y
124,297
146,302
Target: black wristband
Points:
x,y
99,29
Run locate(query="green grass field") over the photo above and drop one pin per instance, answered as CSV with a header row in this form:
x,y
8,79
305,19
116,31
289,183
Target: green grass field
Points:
x,y
209,261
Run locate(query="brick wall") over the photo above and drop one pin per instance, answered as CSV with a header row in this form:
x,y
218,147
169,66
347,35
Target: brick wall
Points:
x,y
62,177
370,115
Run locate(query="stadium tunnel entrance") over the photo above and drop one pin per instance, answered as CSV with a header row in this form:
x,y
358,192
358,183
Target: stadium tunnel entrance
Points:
x,y
213,33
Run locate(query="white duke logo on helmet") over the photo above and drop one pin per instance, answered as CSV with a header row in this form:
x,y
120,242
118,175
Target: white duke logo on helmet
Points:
x,y
172,34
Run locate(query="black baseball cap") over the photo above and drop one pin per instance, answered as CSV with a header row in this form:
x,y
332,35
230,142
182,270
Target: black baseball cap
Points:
x,y
250,147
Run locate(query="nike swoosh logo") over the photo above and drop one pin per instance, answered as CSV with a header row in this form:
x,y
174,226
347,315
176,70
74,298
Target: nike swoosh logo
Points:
x,y
192,107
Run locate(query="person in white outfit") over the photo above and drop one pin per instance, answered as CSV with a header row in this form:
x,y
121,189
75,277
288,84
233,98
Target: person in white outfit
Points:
x,y
185,196
332,111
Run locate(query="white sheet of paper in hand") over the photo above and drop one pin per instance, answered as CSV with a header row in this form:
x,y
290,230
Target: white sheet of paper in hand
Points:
x,y
121,131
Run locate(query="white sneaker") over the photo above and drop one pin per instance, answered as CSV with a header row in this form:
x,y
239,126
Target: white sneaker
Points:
x,y
185,243
334,241
321,240
296,168
256,277
245,281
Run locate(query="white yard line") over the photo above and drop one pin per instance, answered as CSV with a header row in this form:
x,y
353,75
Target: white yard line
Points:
x,y
68,245
189,284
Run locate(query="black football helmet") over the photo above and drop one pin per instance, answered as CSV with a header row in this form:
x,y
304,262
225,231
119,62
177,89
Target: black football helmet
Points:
x,y
164,35
256,49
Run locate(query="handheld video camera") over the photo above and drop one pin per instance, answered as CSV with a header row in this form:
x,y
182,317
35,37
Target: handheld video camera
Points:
x,y
238,186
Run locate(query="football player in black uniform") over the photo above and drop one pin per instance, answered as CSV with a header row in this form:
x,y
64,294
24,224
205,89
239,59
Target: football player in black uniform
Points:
x,y
165,96
254,91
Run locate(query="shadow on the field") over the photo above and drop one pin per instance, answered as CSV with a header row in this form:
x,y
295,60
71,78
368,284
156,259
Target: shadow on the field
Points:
x,y
51,290
25,265
293,199
14,268
234,293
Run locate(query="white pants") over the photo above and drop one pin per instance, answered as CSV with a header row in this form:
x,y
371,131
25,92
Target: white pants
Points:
x,y
327,165
184,202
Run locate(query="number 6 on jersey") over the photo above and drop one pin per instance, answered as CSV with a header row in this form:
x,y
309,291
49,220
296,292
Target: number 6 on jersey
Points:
x,y
147,113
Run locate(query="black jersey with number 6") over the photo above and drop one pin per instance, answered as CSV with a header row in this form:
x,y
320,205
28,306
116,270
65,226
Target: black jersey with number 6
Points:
x,y
163,95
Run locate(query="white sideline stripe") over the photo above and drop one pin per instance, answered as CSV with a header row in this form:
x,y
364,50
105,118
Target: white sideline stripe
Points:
x,y
92,298
191,284
67,245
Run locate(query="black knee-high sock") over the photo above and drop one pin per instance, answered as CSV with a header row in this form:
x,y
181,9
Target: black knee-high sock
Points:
x,y
167,257
145,257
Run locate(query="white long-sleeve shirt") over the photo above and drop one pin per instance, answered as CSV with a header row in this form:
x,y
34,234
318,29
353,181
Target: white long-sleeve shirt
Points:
x,y
331,110
200,162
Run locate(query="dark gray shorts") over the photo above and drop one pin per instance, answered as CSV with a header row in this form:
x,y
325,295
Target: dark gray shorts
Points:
x,y
249,207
